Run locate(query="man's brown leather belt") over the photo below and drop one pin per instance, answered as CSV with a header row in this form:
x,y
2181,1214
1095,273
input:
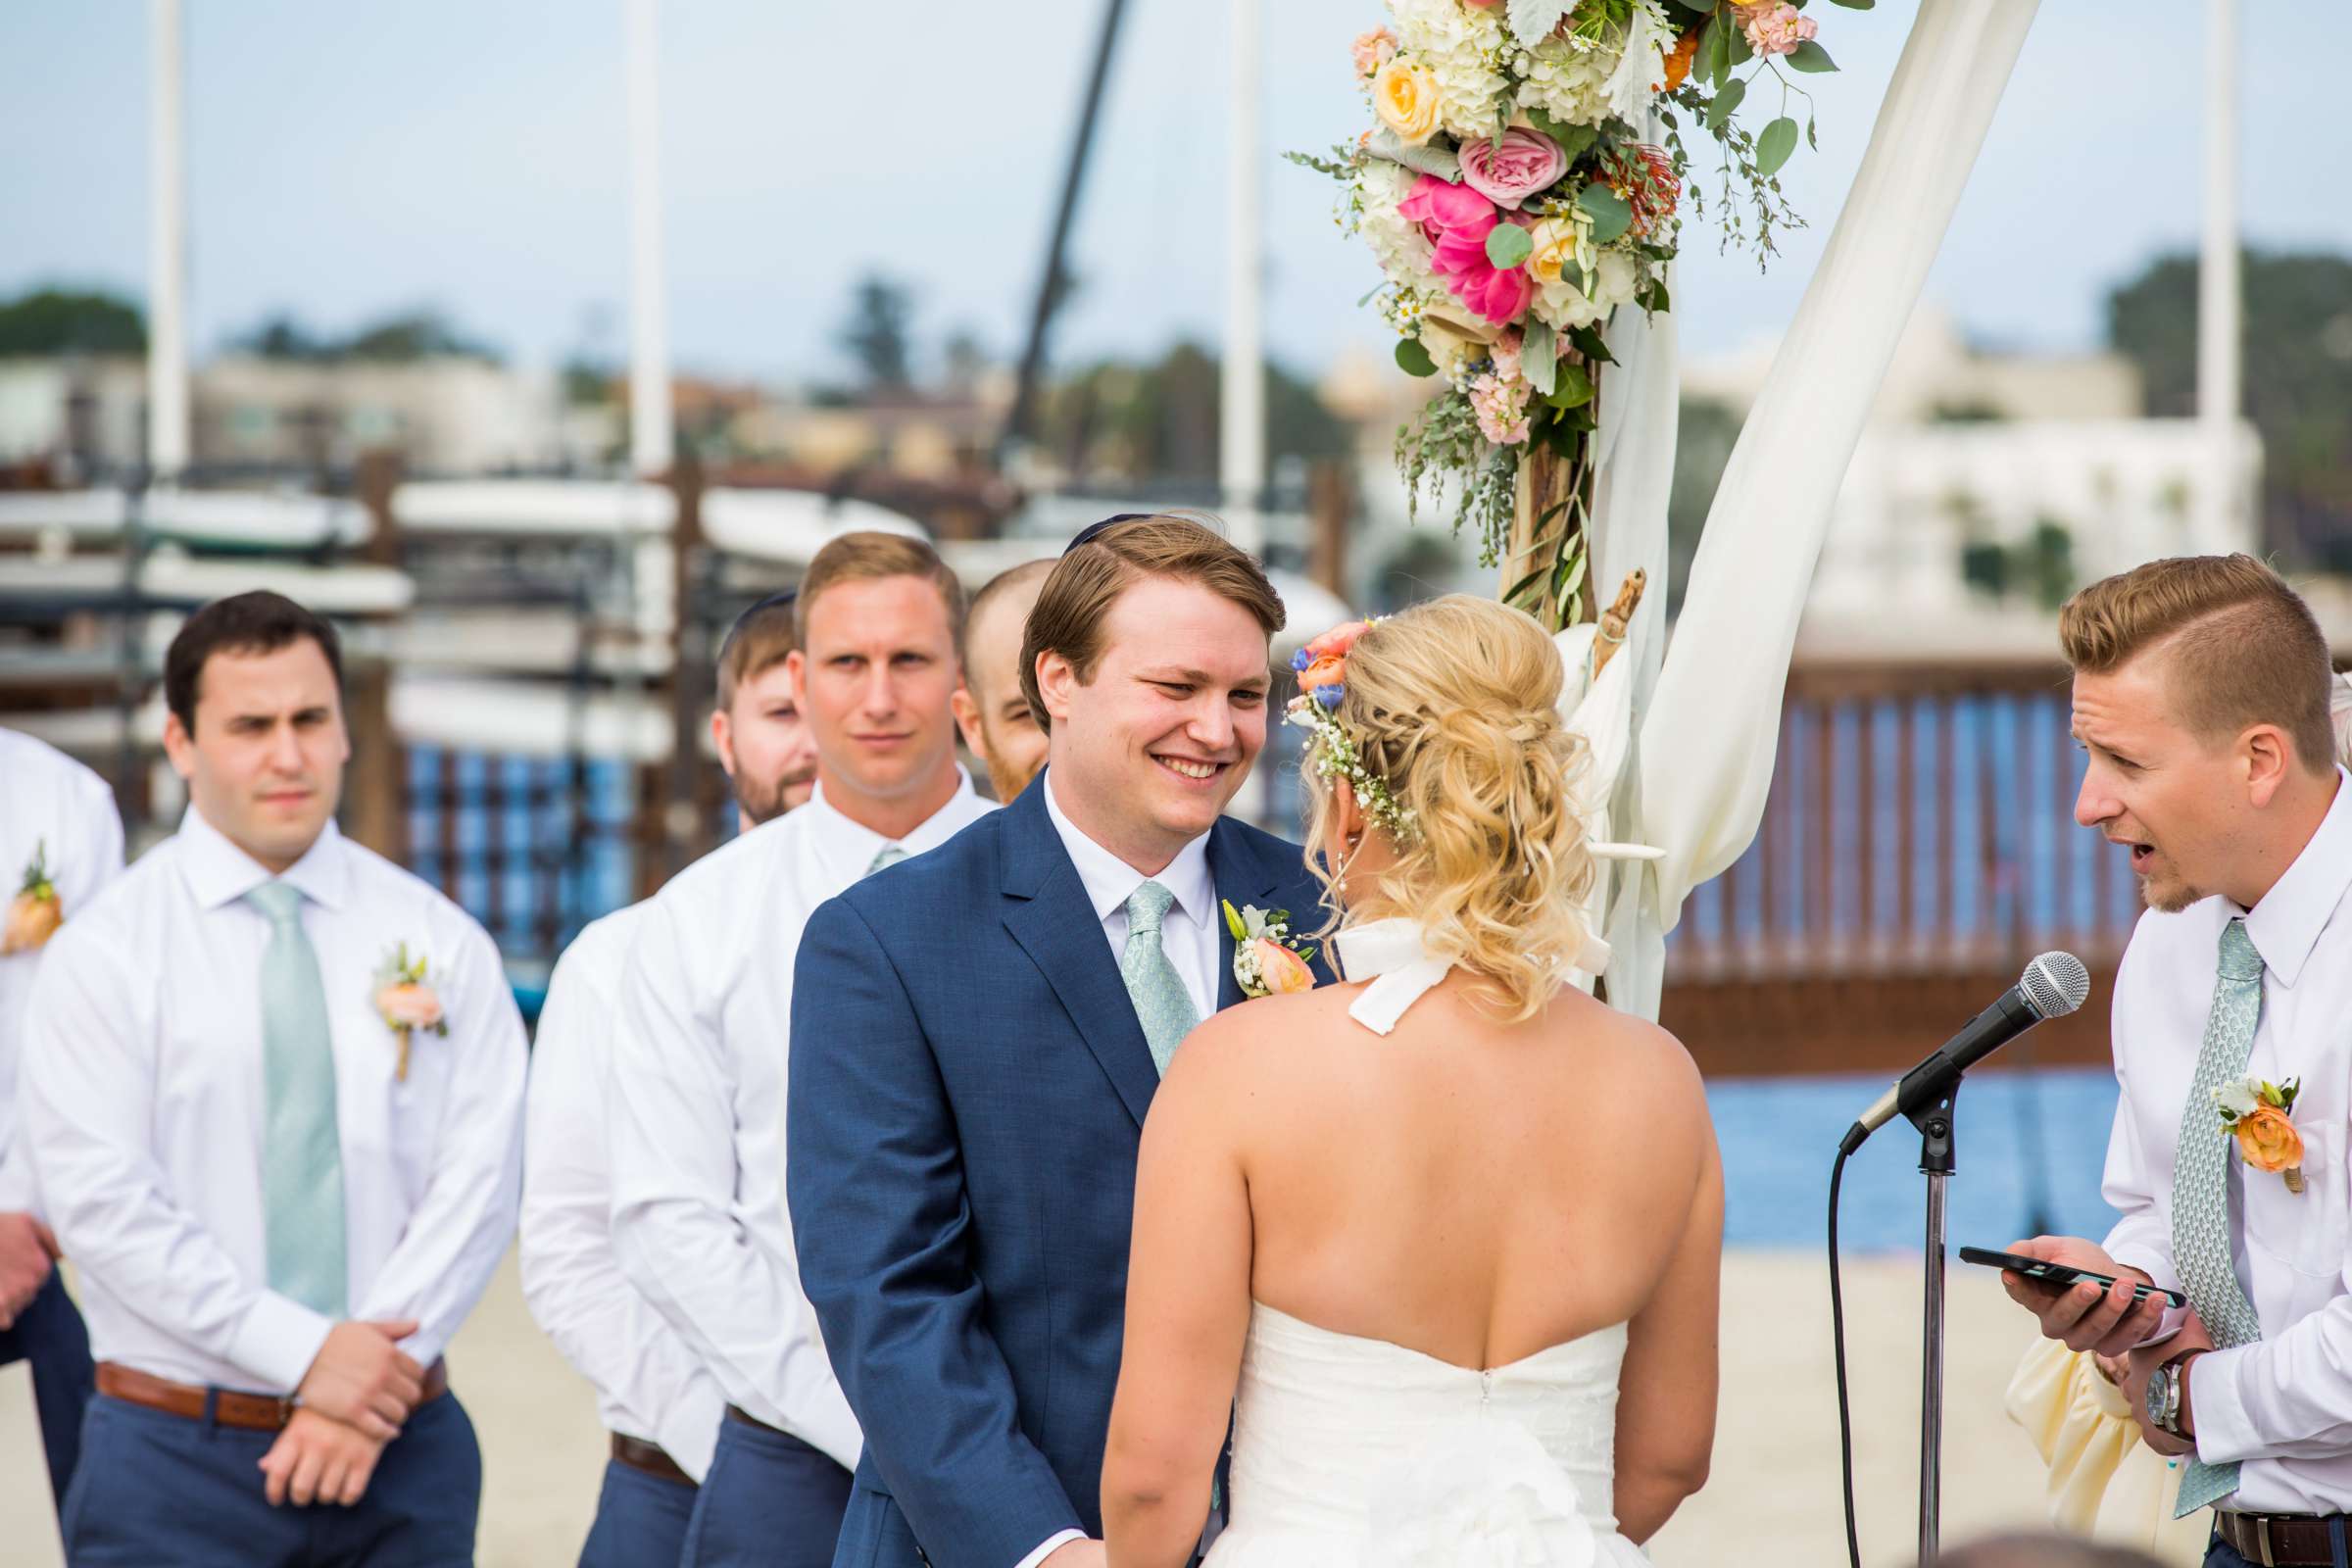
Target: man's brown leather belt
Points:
x,y
248,1412
736,1412
647,1459
2287,1539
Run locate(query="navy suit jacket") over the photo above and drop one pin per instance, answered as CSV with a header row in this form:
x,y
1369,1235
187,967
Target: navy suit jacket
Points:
x,y
967,1089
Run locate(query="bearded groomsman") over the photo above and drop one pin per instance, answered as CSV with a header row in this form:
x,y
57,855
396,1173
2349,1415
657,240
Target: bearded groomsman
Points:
x,y
661,1405
700,1048
990,707
273,1088
62,838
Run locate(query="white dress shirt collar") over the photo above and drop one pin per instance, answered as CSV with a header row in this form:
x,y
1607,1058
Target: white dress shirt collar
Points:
x,y
1110,881
846,847
219,873
2286,925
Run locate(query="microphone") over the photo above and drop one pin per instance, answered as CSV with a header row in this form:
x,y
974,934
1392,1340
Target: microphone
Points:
x,y
2052,986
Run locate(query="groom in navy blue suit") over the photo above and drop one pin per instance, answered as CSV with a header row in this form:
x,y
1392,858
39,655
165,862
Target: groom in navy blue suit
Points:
x,y
976,1036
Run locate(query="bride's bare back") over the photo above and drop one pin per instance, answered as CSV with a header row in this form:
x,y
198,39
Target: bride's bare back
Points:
x,y
1473,1190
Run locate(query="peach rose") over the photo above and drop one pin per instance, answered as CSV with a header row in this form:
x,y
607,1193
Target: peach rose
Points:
x,y
32,921
1406,97
2268,1139
1373,50
407,1005
1280,970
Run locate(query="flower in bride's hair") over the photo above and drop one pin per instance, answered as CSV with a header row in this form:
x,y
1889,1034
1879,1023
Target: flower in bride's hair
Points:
x,y
1322,665
1281,971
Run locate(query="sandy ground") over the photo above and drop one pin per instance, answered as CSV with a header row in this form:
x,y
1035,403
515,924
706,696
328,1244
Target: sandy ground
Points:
x,y
1773,1498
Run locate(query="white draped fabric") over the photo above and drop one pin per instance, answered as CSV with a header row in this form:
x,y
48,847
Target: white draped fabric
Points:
x,y
1702,717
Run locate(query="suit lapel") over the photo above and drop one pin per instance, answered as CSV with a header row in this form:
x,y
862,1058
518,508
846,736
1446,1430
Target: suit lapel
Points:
x,y
1048,912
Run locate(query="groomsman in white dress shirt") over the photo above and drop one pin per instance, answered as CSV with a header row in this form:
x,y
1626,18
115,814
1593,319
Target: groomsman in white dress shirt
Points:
x,y
60,839
699,1050
661,1405
2201,695
281,1203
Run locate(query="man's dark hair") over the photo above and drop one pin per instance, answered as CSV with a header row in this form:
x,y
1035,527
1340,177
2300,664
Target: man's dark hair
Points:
x,y
257,622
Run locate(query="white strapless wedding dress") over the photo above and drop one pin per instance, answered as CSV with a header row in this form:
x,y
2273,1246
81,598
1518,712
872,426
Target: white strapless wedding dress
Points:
x,y
1351,1453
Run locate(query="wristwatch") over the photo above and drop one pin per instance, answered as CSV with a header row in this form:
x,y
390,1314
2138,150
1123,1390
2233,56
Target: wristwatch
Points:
x,y
2163,1399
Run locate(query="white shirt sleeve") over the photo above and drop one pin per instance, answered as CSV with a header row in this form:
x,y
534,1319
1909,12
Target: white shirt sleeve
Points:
x,y
2288,1397
88,1092
673,1123
459,1227
1053,1543
571,1281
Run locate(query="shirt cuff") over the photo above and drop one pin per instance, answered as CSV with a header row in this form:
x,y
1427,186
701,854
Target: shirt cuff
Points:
x,y
278,1340
1053,1543
2217,1407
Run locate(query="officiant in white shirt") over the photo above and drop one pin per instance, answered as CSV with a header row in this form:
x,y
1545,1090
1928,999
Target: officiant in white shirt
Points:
x,y
699,1050
659,1404
60,839
2201,695
273,1091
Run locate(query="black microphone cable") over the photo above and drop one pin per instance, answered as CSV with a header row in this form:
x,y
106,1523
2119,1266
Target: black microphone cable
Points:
x,y
1846,1418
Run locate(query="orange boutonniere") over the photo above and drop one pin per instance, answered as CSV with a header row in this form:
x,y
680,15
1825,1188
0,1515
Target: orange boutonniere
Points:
x,y
407,1003
2258,1114
1264,962
35,913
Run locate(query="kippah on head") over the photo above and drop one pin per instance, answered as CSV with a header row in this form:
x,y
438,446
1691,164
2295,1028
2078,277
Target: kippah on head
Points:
x,y
1093,530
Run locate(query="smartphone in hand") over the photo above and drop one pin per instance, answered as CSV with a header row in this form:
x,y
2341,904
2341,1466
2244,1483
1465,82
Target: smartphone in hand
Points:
x,y
2061,1275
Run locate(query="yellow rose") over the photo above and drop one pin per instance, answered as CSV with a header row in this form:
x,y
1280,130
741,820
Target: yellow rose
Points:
x,y
1406,97
1556,250
2268,1139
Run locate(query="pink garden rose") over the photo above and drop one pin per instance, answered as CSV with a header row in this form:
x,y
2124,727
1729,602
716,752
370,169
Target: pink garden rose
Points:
x,y
1440,207
1524,163
1280,970
1373,50
407,1005
1777,28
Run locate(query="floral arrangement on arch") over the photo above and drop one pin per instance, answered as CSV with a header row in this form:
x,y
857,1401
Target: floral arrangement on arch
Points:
x,y
1527,179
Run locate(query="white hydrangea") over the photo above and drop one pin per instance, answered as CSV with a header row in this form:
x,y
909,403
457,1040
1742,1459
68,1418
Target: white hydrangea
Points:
x,y
1397,243
1615,280
1567,80
1466,49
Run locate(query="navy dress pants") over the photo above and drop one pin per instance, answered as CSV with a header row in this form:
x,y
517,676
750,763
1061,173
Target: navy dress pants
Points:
x,y
48,1336
769,1501
640,1520
155,1488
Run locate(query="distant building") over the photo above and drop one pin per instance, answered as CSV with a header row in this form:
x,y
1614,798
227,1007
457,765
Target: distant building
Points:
x,y
77,414
446,414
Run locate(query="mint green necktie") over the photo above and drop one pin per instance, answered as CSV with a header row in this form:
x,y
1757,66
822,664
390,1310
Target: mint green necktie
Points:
x,y
1161,1003
887,854
302,1150
2201,1250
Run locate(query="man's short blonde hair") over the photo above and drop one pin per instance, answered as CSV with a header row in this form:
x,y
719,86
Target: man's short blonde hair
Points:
x,y
869,556
2240,647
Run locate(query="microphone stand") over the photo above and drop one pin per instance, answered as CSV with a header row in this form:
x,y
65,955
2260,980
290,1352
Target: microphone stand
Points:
x,y
1935,1123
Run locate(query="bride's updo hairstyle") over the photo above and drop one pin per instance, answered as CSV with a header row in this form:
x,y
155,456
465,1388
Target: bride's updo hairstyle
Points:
x,y
1452,705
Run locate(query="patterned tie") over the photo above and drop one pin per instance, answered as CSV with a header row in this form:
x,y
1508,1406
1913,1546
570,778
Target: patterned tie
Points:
x,y
302,1153
2200,1185
1161,1003
887,854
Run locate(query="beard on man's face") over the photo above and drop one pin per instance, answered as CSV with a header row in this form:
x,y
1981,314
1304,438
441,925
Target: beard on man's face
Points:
x,y
1005,781
766,800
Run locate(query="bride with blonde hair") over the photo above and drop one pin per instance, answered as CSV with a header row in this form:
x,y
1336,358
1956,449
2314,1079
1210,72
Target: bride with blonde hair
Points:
x,y
1442,1241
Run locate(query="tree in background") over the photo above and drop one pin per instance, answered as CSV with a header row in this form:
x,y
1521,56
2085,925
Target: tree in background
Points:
x,y
1157,421
2298,382
52,321
878,336
402,338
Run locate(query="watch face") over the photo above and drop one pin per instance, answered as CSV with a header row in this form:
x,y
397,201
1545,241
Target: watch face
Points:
x,y
2155,1397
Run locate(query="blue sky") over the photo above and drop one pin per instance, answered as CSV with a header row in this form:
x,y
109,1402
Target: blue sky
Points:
x,y
347,159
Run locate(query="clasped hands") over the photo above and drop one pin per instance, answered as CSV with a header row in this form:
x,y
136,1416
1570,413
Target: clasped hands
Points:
x,y
360,1389
2111,1324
